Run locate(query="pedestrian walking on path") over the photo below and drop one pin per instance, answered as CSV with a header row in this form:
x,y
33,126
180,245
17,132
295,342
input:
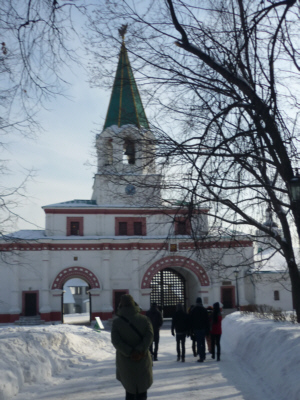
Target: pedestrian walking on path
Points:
x,y
216,331
192,336
180,325
199,323
132,335
156,319
208,336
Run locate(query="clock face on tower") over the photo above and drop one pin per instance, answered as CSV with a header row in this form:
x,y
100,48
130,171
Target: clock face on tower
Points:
x,y
130,189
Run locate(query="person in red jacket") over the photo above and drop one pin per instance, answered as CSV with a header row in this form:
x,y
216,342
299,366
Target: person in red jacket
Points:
x,y
216,331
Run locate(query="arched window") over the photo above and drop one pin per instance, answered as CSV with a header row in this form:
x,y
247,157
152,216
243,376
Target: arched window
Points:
x,y
109,152
128,152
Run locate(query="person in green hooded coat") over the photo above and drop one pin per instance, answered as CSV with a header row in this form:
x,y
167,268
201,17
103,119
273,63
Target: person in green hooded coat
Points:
x,y
131,335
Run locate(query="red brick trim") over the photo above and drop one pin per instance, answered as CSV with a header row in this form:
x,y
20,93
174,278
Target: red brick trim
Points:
x,y
55,316
13,318
215,244
24,246
104,316
174,261
8,318
46,317
75,272
130,224
82,246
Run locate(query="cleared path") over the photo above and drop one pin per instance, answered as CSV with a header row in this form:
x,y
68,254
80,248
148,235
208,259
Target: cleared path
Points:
x,y
92,379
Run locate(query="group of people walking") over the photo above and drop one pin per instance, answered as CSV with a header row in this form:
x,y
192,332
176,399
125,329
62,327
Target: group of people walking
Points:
x,y
136,339
200,326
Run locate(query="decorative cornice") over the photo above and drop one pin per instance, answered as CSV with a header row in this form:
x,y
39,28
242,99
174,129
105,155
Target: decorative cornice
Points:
x,y
222,244
82,247
162,245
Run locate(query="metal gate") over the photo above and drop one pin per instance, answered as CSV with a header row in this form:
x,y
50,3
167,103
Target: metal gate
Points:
x,y
168,289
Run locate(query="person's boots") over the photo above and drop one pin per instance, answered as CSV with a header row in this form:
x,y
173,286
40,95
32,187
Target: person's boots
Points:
x,y
178,358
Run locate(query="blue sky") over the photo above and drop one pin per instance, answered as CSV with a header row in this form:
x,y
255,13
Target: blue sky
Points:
x,y
60,152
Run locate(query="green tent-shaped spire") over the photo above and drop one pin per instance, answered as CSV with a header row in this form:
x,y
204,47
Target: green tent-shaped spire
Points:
x,y
125,105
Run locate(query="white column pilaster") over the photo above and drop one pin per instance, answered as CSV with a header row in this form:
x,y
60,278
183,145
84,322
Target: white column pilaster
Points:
x,y
241,283
106,294
15,299
45,289
135,275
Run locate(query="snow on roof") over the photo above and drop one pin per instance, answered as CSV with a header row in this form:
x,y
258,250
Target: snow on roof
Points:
x,y
40,234
26,235
73,203
270,261
92,204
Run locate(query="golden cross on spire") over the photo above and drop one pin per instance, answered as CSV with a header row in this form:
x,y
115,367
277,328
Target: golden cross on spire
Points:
x,y
122,31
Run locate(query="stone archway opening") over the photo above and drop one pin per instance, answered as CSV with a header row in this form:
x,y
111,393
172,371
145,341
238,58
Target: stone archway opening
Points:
x,y
189,271
81,274
76,302
168,289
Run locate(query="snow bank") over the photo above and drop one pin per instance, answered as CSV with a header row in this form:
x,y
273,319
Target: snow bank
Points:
x,y
40,355
272,349
35,354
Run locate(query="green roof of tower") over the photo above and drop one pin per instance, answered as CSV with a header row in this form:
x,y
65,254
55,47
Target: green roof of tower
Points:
x,y
125,106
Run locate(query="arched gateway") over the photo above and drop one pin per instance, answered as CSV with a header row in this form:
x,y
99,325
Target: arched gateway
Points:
x,y
71,273
168,284
75,272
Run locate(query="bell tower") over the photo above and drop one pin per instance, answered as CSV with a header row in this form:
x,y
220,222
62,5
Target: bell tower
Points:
x,y
126,172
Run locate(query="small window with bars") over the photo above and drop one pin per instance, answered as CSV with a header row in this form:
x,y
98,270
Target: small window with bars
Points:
x,y
123,228
74,228
130,226
137,228
181,228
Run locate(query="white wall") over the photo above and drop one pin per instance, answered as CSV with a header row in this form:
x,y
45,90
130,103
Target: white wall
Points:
x,y
266,284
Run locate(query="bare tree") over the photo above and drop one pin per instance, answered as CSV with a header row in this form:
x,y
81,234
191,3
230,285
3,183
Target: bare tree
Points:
x,y
37,42
225,76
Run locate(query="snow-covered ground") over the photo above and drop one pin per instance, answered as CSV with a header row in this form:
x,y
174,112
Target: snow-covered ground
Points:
x,y
260,360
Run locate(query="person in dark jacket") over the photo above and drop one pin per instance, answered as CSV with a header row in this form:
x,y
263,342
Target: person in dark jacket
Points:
x,y
131,335
180,324
208,338
192,336
216,331
156,319
199,323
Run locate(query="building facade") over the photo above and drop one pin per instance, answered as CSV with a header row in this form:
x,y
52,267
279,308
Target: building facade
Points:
x,y
123,239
